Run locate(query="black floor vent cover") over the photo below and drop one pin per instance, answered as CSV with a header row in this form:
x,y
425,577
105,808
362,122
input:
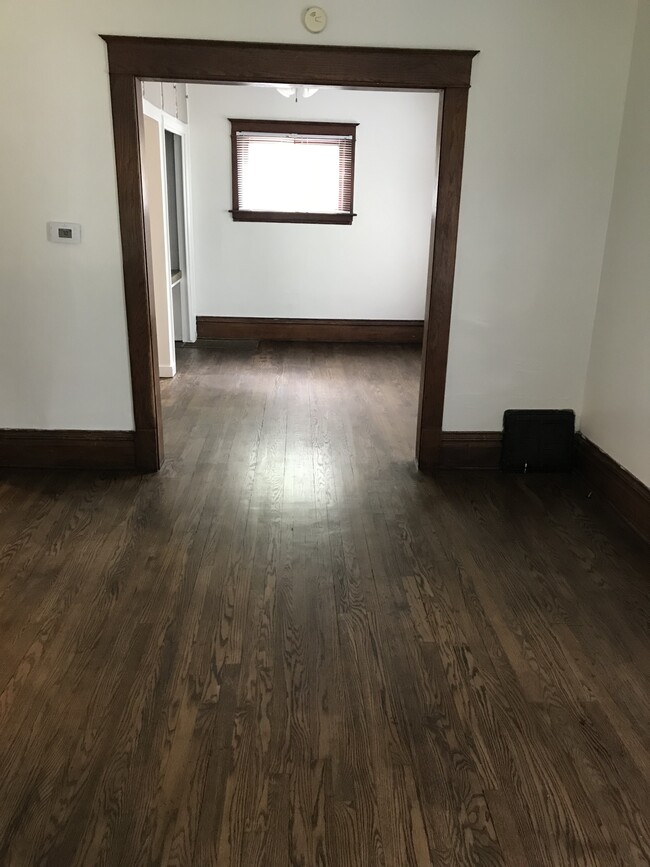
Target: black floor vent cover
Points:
x,y
538,440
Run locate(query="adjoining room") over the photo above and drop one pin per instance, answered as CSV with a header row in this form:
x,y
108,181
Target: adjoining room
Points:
x,y
331,244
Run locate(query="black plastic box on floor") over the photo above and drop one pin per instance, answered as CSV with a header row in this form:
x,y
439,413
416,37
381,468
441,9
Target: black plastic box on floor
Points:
x,y
538,440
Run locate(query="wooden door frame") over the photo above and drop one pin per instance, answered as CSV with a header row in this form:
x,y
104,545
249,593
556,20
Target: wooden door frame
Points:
x,y
132,59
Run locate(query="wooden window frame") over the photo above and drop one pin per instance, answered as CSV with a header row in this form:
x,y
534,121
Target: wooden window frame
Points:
x,y
132,59
288,127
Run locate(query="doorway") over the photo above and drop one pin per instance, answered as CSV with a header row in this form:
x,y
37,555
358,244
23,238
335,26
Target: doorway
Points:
x,y
132,59
166,174
295,264
179,217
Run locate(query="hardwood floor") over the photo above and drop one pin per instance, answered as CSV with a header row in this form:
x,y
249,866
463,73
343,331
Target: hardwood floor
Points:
x,y
290,648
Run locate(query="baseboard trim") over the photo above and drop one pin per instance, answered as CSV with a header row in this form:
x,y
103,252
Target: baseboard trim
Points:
x,y
315,330
68,449
166,371
470,450
626,494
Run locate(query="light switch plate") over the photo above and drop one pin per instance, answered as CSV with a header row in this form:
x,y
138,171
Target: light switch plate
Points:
x,y
64,233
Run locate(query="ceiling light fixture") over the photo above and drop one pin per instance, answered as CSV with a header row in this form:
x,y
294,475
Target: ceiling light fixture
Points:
x,y
295,92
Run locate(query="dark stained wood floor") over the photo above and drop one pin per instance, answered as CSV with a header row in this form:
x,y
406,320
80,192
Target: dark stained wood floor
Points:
x,y
289,648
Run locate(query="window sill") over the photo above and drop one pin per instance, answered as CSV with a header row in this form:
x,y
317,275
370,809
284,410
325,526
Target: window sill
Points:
x,y
291,217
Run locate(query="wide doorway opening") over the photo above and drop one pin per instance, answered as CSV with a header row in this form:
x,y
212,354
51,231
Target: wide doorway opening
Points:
x,y
134,60
312,215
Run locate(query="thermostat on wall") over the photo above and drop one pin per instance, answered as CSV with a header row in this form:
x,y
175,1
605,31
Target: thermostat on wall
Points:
x,y
64,233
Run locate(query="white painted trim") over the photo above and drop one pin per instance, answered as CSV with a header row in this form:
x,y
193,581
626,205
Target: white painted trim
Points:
x,y
157,115
167,371
152,110
187,284
172,124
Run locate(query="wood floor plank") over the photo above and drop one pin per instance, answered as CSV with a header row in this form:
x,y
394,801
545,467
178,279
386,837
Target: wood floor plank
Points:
x,y
290,648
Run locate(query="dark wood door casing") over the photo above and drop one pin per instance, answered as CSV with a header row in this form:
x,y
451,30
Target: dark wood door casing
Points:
x,y
132,59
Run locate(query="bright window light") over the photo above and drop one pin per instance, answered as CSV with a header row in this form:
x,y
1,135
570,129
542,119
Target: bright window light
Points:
x,y
293,171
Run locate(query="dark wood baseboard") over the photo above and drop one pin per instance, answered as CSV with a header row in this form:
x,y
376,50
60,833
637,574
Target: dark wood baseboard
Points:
x,y
470,450
628,496
68,449
315,330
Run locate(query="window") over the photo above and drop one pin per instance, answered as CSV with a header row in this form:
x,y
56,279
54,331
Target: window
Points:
x,y
292,171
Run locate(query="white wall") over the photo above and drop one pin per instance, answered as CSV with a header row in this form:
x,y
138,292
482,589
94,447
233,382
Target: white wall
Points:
x,y
544,121
617,396
374,269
